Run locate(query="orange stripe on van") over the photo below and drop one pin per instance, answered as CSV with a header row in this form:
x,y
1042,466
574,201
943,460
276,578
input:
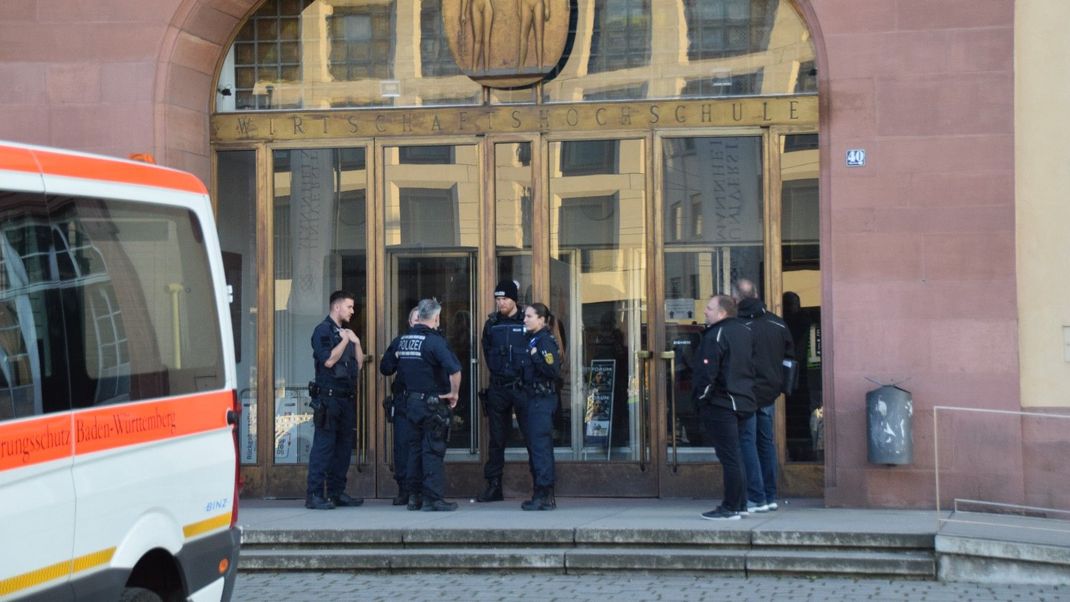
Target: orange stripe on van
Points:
x,y
110,427
35,441
120,425
17,159
97,168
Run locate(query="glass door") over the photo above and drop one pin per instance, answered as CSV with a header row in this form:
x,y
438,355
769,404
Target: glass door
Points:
x,y
320,236
598,250
713,224
431,228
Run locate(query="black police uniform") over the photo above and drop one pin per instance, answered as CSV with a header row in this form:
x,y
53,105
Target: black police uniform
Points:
x,y
335,427
540,386
425,363
396,415
505,351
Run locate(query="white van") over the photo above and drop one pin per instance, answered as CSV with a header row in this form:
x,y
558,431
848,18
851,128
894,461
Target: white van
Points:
x,y
118,454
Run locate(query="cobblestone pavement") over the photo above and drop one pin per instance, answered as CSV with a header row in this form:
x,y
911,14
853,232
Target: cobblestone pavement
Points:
x,y
618,587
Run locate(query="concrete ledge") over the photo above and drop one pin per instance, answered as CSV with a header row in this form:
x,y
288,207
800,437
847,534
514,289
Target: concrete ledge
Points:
x,y
332,537
974,569
312,560
1008,550
842,539
662,537
488,537
901,564
654,560
488,559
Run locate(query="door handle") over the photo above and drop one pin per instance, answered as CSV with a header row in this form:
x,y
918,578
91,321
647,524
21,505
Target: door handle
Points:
x,y
362,416
670,356
642,356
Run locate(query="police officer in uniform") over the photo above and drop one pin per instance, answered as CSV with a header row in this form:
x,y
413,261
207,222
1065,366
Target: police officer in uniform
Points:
x,y
338,358
432,377
540,378
395,414
505,353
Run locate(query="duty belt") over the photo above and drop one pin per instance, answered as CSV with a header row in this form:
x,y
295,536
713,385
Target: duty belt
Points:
x,y
505,381
317,390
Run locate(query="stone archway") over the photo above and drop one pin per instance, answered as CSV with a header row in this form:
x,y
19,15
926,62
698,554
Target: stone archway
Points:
x,y
190,53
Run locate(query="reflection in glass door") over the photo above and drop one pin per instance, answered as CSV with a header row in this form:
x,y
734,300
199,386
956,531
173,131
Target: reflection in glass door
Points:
x,y
431,229
513,218
713,234
598,245
320,246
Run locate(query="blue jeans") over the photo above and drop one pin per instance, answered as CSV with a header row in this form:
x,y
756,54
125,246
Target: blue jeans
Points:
x,y
759,456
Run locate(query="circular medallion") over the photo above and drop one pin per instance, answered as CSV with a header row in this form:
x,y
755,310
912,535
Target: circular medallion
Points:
x,y
506,43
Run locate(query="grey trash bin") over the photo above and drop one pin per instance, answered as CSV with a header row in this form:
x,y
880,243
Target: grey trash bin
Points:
x,y
889,425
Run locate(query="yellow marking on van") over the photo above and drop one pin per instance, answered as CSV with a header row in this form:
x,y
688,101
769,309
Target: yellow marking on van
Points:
x,y
209,524
83,563
55,571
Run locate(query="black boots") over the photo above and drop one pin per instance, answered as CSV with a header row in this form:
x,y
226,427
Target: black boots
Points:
x,y
344,499
439,506
318,502
416,501
493,492
401,499
542,500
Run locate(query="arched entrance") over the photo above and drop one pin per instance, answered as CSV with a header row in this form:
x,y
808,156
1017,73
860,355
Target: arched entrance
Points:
x,y
672,152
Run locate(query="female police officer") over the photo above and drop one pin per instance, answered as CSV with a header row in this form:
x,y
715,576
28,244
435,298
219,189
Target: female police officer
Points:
x,y
540,388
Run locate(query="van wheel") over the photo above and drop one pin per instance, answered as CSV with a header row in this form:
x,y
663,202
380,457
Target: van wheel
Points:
x,y
139,594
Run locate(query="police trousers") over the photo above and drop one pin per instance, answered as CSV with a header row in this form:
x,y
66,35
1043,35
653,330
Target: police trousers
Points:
x,y
500,404
428,418
538,412
332,448
403,435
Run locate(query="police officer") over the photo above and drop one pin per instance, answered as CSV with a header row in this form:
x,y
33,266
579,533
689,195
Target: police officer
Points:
x,y
505,353
724,389
540,378
338,357
432,377
395,414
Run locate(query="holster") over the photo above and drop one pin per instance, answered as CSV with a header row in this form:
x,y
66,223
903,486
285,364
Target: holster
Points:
x,y
441,417
319,413
388,407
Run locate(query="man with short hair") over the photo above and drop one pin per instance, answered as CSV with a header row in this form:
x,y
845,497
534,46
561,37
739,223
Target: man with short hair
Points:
x,y
338,357
505,351
432,377
772,345
724,390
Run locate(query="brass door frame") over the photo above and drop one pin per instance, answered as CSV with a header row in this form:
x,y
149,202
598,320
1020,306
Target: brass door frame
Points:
x,y
289,480
266,478
617,478
462,477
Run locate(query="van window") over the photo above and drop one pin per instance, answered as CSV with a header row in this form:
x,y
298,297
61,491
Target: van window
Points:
x,y
32,355
138,302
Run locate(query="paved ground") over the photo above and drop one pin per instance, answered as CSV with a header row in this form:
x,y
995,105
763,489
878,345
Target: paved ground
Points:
x,y
440,587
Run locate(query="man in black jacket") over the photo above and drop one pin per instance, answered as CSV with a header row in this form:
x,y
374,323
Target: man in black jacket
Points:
x,y
772,345
724,388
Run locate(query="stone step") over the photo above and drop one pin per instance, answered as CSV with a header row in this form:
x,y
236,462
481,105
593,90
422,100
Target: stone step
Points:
x,y
581,537
821,562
